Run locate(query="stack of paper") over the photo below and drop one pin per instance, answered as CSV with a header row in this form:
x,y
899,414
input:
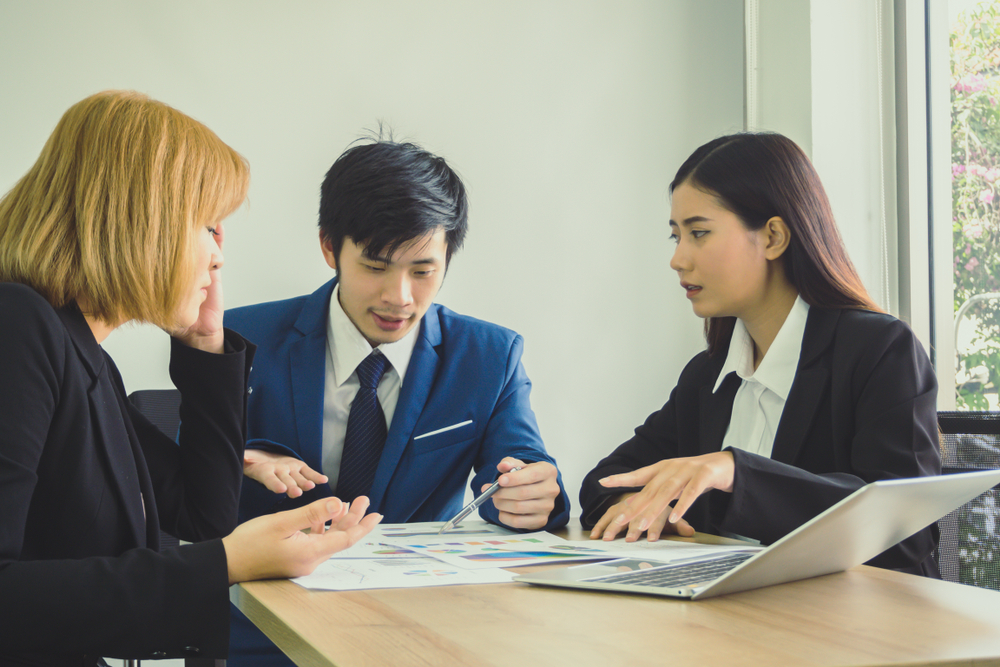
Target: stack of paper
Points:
x,y
413,555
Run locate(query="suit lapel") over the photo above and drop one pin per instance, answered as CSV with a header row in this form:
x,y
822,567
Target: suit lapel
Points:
x,y
716,411
412,397
307,360
110,436
811,382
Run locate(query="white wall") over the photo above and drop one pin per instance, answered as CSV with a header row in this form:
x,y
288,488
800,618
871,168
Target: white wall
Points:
x,y
566,120
819,83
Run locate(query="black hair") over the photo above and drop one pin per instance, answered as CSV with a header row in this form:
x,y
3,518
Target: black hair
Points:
x,y
763,175
385,194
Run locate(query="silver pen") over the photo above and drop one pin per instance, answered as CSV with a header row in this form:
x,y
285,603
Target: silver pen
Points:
x,y
471,507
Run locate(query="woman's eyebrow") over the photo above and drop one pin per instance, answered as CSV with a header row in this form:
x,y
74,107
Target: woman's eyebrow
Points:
x,y
687,222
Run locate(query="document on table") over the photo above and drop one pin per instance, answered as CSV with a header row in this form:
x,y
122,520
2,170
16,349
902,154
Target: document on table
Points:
x,y
375,564
384,540
540,548
359,574
661,550
414,555
495,551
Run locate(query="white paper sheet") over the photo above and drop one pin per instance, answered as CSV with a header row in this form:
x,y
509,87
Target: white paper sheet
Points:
x,y
378,543
500,550
361,574
661,550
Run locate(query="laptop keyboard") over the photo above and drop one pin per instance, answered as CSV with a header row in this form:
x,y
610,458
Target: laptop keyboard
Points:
x,y
672,576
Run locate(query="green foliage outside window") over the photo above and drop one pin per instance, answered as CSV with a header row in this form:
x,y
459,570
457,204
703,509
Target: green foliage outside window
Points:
x,y
975,148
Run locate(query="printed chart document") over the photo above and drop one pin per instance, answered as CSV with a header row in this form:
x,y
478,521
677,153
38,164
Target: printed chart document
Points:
x,y
384,539
375,564
414,555
360,574
493,551
661,550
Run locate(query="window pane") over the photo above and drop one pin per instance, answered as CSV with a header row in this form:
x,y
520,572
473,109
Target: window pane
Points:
x,y
975,150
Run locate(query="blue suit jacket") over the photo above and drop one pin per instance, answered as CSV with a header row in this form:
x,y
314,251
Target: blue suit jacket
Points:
x,y
461,369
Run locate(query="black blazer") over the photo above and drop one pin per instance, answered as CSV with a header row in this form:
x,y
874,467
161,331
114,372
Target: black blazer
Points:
x,y
862,407
86,482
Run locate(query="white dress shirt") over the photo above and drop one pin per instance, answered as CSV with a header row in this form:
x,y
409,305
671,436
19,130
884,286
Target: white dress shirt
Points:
x,y
346,348
761,397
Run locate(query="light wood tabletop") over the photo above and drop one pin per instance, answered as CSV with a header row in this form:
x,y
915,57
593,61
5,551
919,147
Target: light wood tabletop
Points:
x,y
865,616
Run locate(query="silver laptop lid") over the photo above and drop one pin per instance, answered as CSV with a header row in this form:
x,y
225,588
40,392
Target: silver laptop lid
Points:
x,y
858,528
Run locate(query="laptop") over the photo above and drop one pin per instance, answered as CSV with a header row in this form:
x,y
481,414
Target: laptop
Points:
x,y
858,528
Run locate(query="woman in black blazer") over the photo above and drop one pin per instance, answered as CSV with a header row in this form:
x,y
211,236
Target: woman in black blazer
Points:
x,y
119,220
848,397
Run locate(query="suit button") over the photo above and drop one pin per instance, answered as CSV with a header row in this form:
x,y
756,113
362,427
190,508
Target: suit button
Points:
x,y
249,390
192,650
156,655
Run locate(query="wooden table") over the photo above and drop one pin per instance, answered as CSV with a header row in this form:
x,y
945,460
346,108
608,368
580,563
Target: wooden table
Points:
x,y
865,616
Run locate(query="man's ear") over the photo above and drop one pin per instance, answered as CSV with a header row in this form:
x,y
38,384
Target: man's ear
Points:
x,y
328,253
777,237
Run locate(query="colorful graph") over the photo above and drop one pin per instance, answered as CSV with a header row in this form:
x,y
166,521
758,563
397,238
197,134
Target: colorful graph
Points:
x,y
501,555
431,573
391,551
404,532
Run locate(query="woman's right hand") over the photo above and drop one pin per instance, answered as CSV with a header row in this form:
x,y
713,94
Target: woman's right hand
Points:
x,y
680,479
607,529
274,546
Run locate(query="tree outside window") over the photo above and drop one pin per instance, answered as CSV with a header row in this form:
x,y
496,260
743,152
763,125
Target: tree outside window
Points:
x,y
975,146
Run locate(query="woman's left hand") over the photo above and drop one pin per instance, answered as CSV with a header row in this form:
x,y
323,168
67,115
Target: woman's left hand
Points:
x,y
680,479
206,332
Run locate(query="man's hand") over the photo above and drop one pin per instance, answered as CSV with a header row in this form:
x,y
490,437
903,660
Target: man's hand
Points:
x,y
649,510
527,496
274,545
281,474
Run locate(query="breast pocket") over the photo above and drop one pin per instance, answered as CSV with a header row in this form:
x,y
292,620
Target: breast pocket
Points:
x,y
445,436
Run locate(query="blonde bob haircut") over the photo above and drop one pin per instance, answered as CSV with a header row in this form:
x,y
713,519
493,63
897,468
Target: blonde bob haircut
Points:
x,y
110,210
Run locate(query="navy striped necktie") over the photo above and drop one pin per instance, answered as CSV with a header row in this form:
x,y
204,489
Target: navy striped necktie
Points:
x,y
366,431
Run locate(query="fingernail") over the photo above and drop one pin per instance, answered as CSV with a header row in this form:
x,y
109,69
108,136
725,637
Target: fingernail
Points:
x,y
330,506
673,518
620,518
644,524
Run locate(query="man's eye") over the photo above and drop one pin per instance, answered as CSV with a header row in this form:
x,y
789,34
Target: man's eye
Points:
x,y
675,238
698,233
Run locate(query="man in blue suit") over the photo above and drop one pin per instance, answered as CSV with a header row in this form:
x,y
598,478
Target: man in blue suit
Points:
x,y
368,388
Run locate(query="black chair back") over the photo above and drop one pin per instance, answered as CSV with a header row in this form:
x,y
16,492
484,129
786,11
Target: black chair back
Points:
x,y
969,550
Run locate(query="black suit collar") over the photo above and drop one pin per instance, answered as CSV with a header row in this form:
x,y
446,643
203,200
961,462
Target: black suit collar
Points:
x,y
119,441
812,379
80,333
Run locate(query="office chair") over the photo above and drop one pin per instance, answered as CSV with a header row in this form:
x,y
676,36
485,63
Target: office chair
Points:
x,y
969,549
162,408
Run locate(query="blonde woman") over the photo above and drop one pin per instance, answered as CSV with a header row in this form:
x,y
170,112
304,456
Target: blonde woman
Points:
x,y
120,220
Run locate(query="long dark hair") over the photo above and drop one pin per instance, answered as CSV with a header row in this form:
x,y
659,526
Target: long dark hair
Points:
x,y
759,176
